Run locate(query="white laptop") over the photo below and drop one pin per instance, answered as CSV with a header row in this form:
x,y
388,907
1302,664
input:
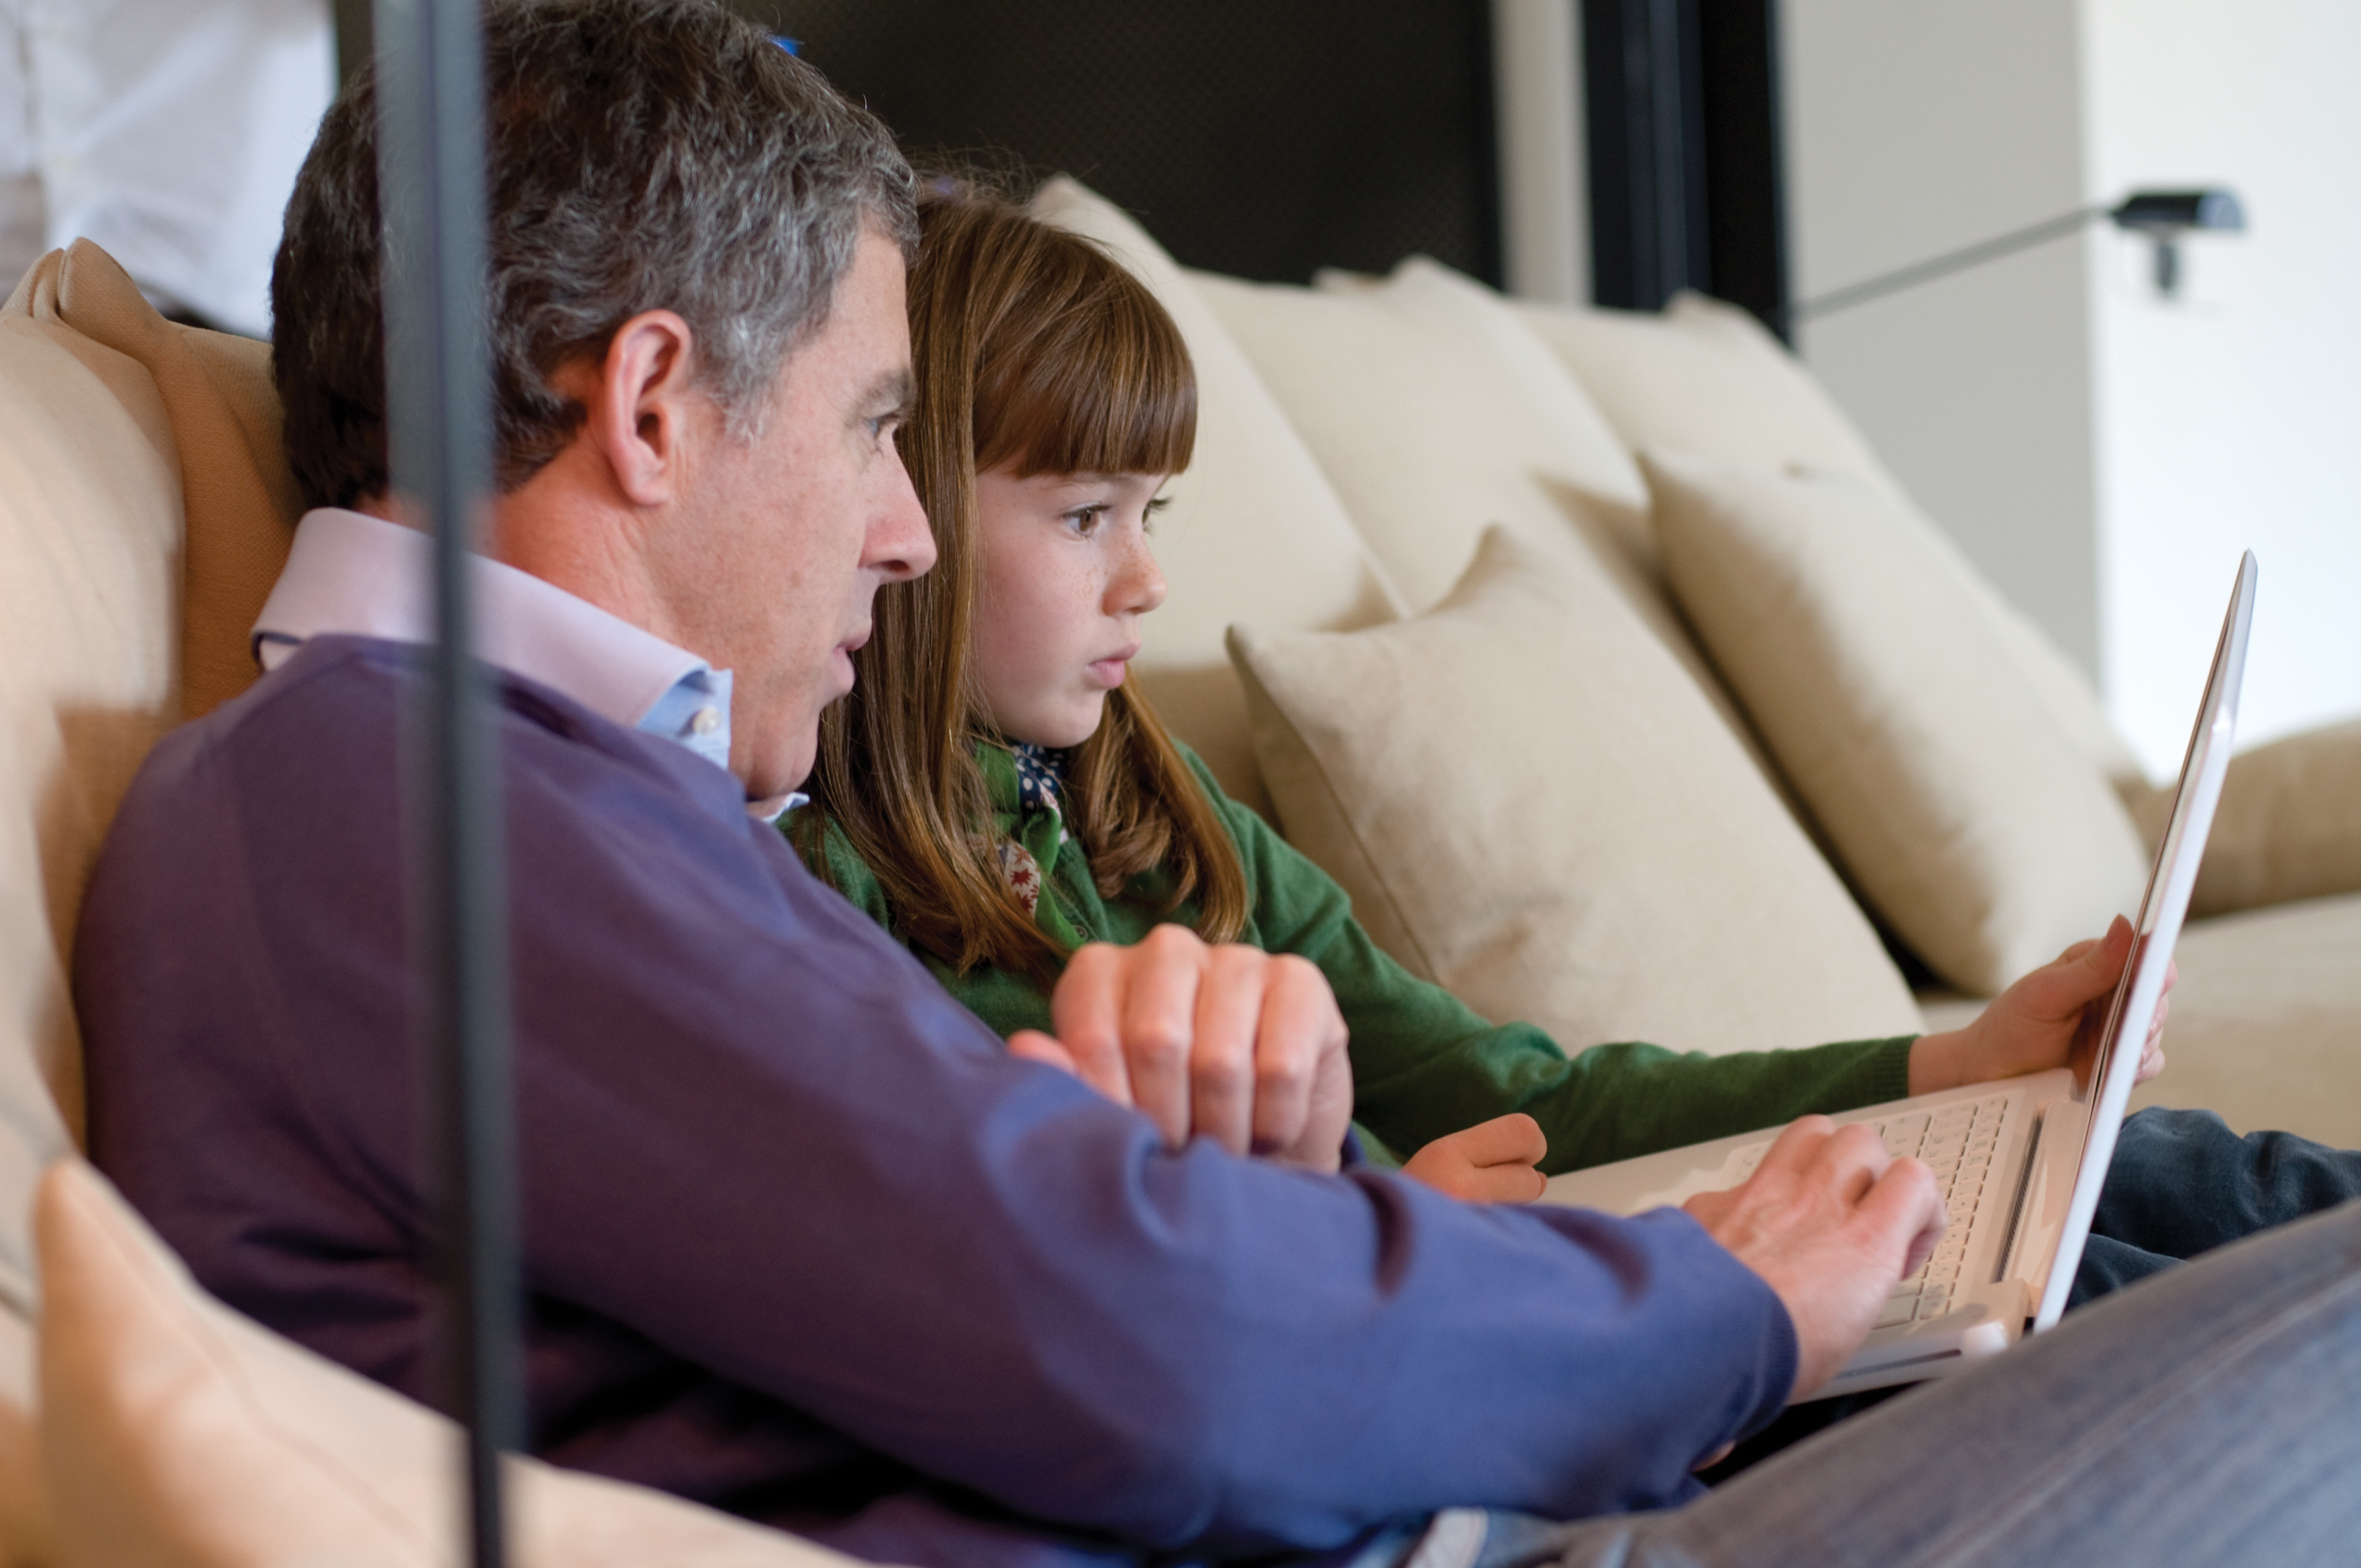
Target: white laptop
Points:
x,y
2021,1160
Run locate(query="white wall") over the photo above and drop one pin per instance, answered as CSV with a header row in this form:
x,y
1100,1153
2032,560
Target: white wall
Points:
x,y
2103,454
2232,419
1914,127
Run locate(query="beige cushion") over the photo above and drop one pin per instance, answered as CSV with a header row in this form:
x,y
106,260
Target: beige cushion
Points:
x,y
2289,826
1704,379
1531,803
239,493
89,534
2265,1024
1253,532
1965,817
178,1435
1436,413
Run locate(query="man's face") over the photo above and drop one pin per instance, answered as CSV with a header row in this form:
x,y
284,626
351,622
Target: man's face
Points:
x,y
791,534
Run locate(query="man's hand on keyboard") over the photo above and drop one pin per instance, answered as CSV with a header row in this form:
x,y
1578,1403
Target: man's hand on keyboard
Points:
x,y
2051,1017
1831,1222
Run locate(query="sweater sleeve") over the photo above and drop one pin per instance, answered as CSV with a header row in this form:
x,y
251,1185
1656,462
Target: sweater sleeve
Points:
x,y
1425,1064
753,1136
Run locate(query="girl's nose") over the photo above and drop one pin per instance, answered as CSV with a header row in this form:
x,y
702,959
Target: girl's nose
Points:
x,y
1139,585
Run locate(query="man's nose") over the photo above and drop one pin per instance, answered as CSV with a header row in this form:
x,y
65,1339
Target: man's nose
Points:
x,y
901,544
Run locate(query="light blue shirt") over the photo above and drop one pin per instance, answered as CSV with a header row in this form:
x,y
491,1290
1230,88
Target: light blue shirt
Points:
x,y
359,575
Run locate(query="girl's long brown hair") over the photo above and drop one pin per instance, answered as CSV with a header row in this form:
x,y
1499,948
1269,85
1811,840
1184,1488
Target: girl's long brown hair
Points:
x,y
1034,350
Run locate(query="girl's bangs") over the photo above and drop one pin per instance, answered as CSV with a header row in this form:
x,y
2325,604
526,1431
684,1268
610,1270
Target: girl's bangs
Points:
x,y
1105,386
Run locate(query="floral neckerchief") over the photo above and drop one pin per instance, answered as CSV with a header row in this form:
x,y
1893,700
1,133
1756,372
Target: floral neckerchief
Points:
x,y
1022,782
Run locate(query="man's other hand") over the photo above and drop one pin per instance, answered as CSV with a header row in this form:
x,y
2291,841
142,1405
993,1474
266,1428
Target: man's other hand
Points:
x,y
2053,1017
1232,1043
1831,1222
1492,1162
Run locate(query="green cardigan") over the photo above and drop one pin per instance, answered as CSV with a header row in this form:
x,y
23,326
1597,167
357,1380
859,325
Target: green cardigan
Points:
x,y
1423,1063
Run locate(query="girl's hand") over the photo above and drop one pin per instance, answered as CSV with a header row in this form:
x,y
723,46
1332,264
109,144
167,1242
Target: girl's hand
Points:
x,y
1492,1162
2052,1018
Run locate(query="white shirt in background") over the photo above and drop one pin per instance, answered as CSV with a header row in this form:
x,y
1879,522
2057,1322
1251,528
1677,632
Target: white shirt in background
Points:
x,y
168,131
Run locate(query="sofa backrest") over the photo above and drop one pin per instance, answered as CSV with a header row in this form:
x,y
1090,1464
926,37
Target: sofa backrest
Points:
x,y
89,541
145,508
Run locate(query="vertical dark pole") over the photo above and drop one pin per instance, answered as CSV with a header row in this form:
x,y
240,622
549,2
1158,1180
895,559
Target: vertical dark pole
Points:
x,y
1649,218
1686,183
1745,178
432,179
354,50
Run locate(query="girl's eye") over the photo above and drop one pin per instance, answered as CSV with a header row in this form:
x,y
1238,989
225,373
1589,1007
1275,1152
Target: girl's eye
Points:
x,y
1085,521
1148,516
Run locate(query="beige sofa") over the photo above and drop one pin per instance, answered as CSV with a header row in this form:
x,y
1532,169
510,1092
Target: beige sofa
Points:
x,y
1517,748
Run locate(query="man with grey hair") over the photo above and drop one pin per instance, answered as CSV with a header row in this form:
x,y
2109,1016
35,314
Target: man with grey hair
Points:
x,y
801,1239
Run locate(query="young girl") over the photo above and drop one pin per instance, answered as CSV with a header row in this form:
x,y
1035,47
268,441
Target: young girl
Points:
x,y
996,792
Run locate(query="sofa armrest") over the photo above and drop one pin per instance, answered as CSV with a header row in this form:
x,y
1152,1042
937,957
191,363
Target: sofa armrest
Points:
x,y
2288,826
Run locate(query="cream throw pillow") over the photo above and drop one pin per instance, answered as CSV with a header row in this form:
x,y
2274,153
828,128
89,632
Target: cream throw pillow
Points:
x,y
1964,815
1531,803
1436,415
178,1435
1255,532
2289,826
240,494
1704,379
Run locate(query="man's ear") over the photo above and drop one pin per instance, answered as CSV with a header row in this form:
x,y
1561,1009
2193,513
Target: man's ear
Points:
x,y
641,409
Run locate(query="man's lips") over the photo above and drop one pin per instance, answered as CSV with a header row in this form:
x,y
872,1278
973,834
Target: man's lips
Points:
x,y
841,656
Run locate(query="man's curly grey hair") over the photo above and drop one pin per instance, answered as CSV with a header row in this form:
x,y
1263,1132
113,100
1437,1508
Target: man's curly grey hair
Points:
x,y
643,155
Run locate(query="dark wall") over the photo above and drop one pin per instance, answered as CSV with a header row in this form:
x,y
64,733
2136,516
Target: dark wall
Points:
x,y
1263,138
1266,138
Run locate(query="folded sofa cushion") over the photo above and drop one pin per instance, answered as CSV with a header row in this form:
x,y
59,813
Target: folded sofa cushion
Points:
x,y
177,1433
239,492
1704,379
1532,804
2289,826
2265,1016
1255,532
1961,811
1436,413
90,535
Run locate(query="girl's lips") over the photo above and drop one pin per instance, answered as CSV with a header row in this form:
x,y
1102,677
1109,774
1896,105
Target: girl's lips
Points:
x,y
1108,672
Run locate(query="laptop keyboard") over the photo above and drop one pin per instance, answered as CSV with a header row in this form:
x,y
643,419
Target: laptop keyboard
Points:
x,y
1956,1143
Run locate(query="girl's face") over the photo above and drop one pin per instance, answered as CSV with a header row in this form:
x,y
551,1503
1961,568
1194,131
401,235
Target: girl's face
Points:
x,y
1065,576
